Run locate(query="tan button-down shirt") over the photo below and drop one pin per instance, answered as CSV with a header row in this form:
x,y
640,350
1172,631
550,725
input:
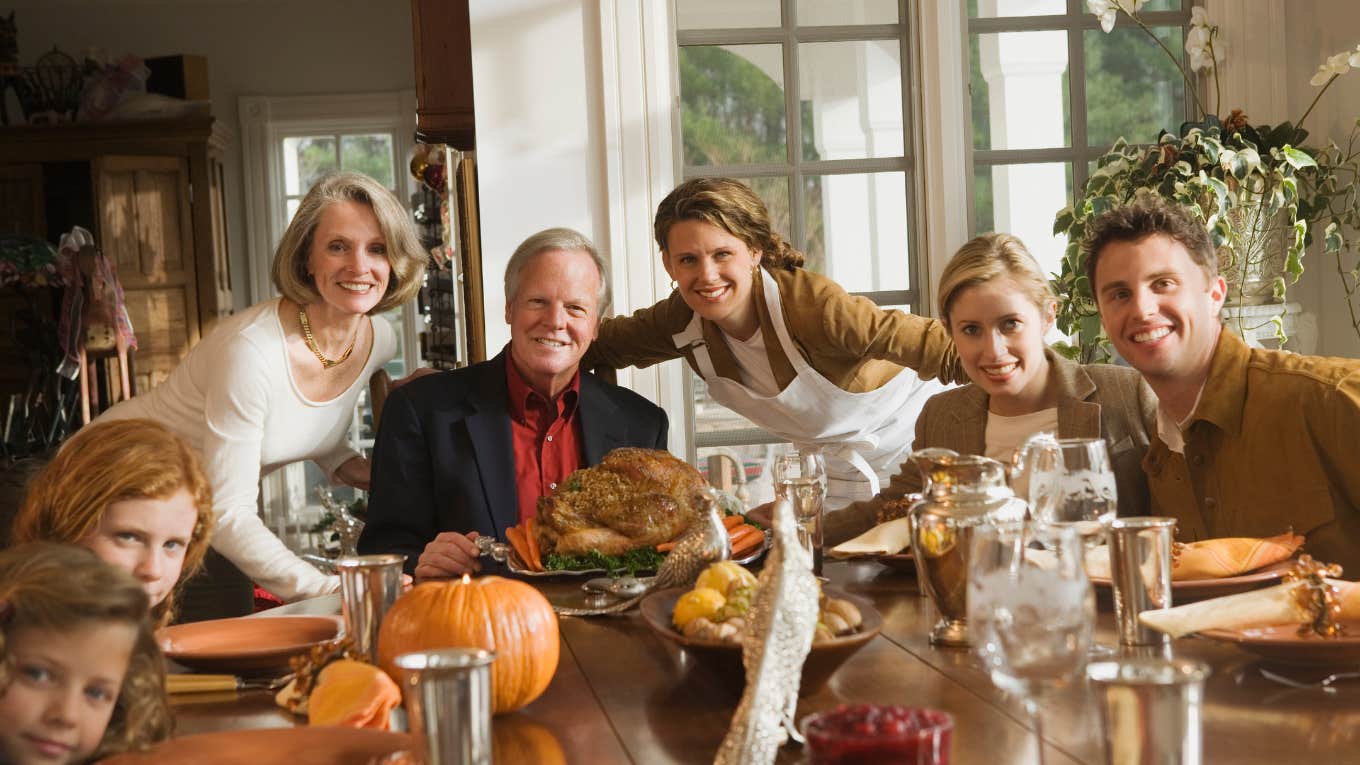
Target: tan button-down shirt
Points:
x,y
1273,444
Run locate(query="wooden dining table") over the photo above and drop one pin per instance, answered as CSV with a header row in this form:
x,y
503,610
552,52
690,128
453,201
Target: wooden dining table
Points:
x,y
623,694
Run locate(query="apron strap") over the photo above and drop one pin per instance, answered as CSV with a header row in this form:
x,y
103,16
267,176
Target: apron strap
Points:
x,y
850,454
775,306
692,340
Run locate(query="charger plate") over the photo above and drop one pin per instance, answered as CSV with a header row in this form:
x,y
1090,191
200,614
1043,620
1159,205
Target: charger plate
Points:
x,y
246,646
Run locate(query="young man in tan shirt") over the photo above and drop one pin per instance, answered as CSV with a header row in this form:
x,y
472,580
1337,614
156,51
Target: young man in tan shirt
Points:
x,y
1250,442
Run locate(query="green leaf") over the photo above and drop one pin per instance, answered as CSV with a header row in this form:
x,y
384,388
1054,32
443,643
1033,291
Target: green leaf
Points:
x,y
1297,158
1332,241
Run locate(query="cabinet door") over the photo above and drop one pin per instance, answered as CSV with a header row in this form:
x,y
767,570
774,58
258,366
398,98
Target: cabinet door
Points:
x,y
145,227
21,200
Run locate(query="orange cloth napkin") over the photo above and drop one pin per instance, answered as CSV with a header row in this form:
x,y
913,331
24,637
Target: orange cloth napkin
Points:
x,y
353,694
1230,556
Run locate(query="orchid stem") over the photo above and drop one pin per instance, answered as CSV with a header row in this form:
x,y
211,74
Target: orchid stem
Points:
x,y
1188,82
1299,125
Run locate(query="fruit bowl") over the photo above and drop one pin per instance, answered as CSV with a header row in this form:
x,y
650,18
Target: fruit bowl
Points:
x,y
723,657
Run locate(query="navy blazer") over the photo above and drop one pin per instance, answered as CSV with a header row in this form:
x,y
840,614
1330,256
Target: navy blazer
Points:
x,y
444,459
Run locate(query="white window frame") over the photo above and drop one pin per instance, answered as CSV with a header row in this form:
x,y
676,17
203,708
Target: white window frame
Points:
x,y
265,121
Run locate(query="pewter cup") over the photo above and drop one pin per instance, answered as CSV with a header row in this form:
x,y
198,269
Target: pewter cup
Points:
x,y
1140,567
369,585
1150,710
448,703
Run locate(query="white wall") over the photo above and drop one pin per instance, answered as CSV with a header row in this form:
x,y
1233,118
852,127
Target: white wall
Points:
x,y
253,47
540,145
1315,29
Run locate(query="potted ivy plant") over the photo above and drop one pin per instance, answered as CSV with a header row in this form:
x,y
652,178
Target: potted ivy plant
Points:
x,y
1262,194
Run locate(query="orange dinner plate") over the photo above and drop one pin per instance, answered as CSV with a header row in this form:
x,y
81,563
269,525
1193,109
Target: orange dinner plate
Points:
x,y
246,646
1282,643
1200,589
274,746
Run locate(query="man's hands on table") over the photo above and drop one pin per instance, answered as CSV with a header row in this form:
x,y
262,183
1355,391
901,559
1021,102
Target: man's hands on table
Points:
x,y
449,554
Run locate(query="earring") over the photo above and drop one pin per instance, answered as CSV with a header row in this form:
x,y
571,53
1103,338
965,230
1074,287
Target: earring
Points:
x,y
674,284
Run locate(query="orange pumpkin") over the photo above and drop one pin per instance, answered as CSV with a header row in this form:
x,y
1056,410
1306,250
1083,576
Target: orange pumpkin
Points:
x,y
502,615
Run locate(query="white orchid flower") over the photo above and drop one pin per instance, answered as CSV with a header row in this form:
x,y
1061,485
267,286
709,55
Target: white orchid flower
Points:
x,y
1333,66
1108,10
1354,60
1197,45
1199,17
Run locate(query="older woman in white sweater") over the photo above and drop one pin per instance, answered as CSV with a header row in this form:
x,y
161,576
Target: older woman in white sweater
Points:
x,y
277,382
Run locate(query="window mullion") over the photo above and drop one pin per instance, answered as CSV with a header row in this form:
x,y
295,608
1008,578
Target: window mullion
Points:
x,y
1076,89
794,127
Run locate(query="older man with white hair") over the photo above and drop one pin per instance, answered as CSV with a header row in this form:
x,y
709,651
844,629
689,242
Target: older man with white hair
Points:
x,y
468,452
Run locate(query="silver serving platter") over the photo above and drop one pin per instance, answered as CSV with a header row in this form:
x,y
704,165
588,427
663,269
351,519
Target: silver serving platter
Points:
x,y
517,566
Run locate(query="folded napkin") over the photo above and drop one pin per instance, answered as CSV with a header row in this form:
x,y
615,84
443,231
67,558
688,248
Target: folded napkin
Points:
x,y
1211,558
1258,608
884,539
353,694
1231,556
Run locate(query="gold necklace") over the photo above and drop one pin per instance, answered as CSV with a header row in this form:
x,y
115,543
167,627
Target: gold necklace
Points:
x,y
311,342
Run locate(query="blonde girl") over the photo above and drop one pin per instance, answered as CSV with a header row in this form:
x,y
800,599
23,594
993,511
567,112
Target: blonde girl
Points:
x,y
80,674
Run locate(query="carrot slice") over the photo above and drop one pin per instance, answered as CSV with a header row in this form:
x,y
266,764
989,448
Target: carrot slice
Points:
x,y
515,535
742,533
747,546
730,521
531,538
665,547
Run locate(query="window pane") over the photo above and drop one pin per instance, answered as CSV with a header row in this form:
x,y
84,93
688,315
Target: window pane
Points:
x,y
726,14
1023,200
732,104
774,192
817,13
1132,87
851,99
756,461
987,9
305,160
1019,90
293,207
370,155
857,230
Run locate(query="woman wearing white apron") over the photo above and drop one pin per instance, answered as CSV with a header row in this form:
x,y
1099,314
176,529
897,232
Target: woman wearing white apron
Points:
x,y
997,304
786,348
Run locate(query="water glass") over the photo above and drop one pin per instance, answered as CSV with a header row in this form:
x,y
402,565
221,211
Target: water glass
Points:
x,y
800,477
1031,609
1072,483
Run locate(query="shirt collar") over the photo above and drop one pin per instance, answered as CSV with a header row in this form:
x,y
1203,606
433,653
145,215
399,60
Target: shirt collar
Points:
x,y
1224,394
519,394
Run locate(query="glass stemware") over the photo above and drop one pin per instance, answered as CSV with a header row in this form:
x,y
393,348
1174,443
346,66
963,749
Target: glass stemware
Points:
x,y
1031,609
801,477
1072,484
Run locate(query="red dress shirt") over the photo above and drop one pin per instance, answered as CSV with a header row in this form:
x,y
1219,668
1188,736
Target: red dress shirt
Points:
x,y
546,435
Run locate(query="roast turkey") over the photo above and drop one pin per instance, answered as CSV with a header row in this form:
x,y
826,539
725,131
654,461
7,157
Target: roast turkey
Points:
x,y
633,498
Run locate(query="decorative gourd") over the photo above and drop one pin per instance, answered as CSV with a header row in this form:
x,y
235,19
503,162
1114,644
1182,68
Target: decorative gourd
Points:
x,y
502,615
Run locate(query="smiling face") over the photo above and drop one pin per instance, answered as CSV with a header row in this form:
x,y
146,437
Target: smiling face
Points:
x,y
1159,308
62,690
348,258
553,316
999,333
147,538
714,272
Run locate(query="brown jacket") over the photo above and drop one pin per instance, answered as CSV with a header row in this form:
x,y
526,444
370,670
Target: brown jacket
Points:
x,y
1096,400
849,340
1274,443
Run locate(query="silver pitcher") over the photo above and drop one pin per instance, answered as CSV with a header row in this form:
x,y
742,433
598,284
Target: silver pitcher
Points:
x,y
961,493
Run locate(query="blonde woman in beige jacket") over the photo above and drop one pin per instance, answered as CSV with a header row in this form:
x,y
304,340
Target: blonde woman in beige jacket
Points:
x,y
786,348
997,306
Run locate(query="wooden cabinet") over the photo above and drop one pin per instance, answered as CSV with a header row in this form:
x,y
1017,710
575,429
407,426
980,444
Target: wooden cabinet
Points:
x,y
443,48
151,192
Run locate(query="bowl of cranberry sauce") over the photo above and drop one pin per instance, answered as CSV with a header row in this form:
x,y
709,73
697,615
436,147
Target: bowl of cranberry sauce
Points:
x,y
861,734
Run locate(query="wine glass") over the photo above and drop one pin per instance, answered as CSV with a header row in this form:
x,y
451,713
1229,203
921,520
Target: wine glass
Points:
x,y
1072,484
801,478
1031,609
